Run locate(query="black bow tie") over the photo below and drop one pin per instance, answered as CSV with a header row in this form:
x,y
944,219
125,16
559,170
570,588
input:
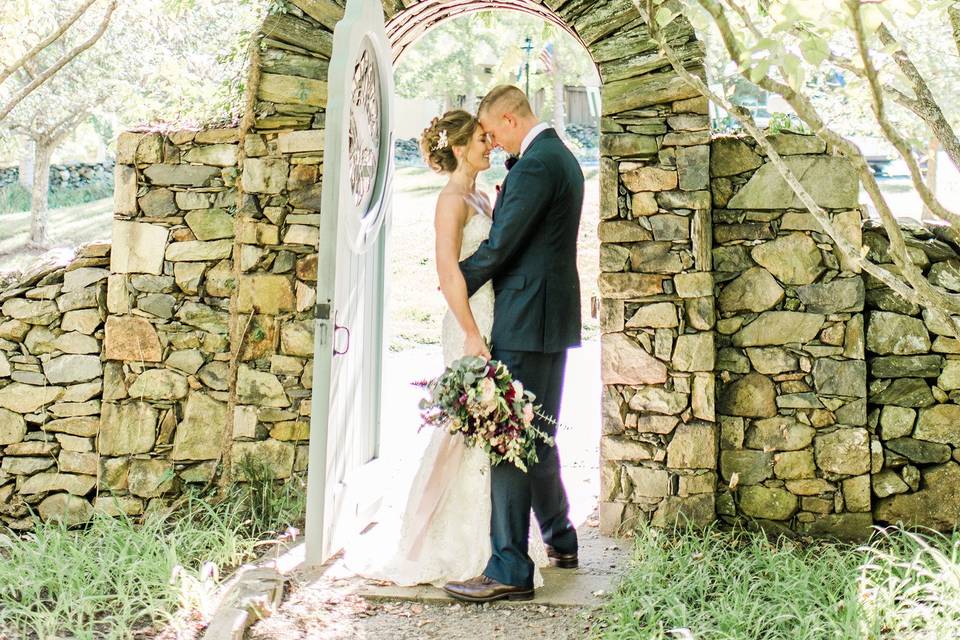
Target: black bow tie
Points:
x,y
510,161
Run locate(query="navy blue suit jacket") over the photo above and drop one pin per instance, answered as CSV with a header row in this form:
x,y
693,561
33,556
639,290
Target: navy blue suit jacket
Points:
x,y
531,254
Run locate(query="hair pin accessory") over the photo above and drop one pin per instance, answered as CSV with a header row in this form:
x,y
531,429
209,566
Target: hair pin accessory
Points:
x,y
441,141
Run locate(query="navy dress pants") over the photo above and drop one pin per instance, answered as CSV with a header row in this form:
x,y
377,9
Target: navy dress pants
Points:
x,y
514,493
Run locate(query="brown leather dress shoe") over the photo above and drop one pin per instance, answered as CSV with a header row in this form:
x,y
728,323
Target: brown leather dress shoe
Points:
x,y
484,589
562,560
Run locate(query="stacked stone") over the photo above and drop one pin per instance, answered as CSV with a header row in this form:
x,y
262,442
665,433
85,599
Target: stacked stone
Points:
x,y
795,449
51,327
658,448
81,174
68,176
169,355
282,173
166,347
914,360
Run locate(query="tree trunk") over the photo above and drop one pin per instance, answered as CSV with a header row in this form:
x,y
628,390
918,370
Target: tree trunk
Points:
x,y
39,196
559,103
25,177
559,95
932,150
471,82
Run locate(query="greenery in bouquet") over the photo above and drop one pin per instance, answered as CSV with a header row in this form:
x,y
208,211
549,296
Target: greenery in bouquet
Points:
x,y
481,401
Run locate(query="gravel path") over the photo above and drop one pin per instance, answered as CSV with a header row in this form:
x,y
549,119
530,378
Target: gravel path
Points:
x,y
328,609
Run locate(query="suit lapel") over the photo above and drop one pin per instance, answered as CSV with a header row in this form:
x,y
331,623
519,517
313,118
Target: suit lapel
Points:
x,y
549,132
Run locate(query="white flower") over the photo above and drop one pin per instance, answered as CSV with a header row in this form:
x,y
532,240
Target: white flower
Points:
x,y
518,388
488,392
441,141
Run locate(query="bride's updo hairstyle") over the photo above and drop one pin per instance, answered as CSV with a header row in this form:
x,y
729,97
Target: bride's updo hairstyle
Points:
x,y
452,129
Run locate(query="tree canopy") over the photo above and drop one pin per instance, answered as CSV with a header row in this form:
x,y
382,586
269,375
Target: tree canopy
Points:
x,y
787,48
444,62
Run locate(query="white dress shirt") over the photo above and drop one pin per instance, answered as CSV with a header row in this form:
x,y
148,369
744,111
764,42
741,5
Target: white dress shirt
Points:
x,y
537,130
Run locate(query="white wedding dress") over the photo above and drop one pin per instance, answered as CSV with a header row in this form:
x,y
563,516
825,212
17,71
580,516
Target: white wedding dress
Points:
x,y
437,528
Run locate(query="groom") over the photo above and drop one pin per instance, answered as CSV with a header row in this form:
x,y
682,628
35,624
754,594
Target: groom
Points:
x,y
531,256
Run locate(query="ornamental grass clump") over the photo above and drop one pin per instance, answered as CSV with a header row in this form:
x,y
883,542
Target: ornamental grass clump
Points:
x,y
714,584
125,577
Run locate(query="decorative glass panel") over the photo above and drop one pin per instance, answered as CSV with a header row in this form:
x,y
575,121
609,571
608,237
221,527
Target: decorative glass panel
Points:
x,y
364,145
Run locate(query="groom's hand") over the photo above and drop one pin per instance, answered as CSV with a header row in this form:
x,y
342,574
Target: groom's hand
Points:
x,y
475,345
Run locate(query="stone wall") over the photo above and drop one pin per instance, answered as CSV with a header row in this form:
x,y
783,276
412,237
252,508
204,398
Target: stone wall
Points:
x,y
203,336
177,391
735,351
658,449
67,176
914,361
794,448
51,383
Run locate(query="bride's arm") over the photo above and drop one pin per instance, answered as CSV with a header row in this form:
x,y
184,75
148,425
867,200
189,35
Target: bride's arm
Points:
x,y
450,218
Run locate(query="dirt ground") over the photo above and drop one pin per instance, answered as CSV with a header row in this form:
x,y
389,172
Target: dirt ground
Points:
x,y
331,610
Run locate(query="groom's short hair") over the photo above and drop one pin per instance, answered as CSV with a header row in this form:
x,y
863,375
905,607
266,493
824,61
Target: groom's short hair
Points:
x,y
508,98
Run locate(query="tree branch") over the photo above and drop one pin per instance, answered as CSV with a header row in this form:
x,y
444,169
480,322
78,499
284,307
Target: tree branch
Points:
x,y
927,109
925,106
903,99
67,125
953,11
851,252
745,17
889,131
62,62
920,290
46,42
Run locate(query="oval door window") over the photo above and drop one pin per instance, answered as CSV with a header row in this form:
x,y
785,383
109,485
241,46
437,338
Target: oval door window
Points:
x,y
365,133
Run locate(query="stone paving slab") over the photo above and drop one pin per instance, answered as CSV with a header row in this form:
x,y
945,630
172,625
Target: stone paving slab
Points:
x,y
601,562
562,588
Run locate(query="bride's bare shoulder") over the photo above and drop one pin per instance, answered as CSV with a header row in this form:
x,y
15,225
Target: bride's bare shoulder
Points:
x,y
452,203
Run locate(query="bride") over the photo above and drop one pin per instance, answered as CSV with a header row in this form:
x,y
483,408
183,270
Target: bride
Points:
x,y
437,529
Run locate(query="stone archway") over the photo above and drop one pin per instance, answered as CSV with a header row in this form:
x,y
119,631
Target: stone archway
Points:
x,y
216,237
408,25
659,448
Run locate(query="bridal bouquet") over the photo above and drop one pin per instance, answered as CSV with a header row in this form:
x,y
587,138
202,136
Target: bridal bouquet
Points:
x,y
480,400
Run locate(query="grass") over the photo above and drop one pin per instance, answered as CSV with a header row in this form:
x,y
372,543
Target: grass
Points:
x,y
722,585
14,198
68,227
120,578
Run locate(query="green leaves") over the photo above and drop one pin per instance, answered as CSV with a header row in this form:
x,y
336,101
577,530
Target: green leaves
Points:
x,y
759,71
814,49
793,69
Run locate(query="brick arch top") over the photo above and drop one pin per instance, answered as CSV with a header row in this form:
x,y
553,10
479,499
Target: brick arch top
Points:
x,y
419,16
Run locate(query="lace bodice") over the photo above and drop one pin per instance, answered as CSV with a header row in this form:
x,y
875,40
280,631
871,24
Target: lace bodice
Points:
x,y
475,231
478,226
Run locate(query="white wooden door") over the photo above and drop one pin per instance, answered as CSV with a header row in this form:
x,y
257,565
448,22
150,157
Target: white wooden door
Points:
x,y
358,157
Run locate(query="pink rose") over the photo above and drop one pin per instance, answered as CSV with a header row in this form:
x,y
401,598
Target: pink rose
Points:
x,y
528,413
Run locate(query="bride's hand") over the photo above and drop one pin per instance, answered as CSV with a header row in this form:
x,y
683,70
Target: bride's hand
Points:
x,y
475,345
